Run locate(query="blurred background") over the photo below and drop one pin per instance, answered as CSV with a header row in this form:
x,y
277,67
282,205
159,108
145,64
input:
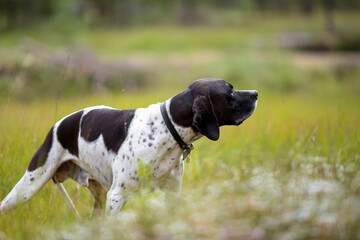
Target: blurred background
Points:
x,y
77,47
292,171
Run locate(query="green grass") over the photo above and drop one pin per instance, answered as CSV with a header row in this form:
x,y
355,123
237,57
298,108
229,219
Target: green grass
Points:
x,y
291,171
167,38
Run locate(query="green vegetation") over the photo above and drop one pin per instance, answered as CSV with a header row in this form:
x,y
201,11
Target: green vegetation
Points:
x,y
291,171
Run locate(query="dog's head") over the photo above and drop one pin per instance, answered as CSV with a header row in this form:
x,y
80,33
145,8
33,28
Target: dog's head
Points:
x,y
208,104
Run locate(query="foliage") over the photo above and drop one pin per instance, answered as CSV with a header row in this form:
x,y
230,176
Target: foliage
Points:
x,y
291,171
64,14
48,62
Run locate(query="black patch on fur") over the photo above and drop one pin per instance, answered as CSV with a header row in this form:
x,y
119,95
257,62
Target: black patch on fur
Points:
x,y
42,153
112,124
68,132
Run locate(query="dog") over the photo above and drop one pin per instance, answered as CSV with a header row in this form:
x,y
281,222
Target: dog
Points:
x,y
100,147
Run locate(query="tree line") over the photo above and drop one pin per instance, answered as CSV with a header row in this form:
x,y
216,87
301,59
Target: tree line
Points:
x,y
23,13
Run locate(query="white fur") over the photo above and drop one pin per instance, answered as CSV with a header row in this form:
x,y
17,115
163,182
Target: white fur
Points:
x,y
147,139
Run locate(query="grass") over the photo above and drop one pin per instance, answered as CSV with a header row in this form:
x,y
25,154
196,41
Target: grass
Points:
x,y
167,38
291,171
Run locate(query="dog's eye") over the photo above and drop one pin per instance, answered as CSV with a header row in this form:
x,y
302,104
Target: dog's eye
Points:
x,y
231,96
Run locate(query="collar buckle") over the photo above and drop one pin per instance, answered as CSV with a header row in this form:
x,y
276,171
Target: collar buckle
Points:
x,y
186,153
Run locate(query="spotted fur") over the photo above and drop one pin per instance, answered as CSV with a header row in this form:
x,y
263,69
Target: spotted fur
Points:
x,y
100,147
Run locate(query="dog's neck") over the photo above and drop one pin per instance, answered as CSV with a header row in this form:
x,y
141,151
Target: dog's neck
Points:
x,y
181,109
178,118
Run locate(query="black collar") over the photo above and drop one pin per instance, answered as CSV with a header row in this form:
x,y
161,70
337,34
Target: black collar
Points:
x,y
186,147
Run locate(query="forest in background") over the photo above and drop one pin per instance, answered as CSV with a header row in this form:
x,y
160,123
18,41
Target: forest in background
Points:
x,y
79,47
291,171
121,13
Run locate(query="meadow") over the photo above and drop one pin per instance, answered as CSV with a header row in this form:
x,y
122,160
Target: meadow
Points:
x,y
291,171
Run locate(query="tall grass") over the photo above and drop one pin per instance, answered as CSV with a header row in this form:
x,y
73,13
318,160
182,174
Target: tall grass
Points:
x,y
290,171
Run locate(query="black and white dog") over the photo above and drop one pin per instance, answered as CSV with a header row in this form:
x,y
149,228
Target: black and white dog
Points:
x,y
99,147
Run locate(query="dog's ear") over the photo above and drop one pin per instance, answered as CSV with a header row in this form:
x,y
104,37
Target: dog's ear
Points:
x,y
204,118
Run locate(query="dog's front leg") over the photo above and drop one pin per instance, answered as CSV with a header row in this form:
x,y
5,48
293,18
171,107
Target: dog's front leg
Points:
x,y
115,199
172,184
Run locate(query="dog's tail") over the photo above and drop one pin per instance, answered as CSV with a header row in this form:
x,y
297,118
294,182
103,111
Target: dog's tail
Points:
x,y
39,172
27,187
24,190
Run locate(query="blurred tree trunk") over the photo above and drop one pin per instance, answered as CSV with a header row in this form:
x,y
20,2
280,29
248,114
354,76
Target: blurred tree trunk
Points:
x,y
329,6
187,12
127,12
262,4
307,7
29,7
10,9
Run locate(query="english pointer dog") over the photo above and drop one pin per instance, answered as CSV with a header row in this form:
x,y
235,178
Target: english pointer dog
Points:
x,y
100,147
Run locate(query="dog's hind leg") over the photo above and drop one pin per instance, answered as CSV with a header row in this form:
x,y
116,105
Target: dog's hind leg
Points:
x,y
68,200
99,194
71,170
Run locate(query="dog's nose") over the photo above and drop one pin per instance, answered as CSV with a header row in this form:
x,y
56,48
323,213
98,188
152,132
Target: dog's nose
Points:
x,y
254,94
249,94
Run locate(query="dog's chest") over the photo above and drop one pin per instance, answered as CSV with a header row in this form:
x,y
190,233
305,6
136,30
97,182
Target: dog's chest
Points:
x,y
147,140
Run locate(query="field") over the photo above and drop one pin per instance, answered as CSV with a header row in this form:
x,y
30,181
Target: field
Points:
x,y
291,171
